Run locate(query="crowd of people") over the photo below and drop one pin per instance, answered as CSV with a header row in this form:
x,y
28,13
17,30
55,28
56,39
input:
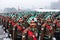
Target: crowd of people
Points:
x,y
37,28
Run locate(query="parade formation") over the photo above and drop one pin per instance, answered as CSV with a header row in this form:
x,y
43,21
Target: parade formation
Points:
x,y
32,26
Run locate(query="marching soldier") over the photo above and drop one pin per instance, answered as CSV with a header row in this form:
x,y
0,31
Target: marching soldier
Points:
x,y
4,23
31,33
23,23
7,23
18,29
0,19
13,22
57,29
46,31
9,26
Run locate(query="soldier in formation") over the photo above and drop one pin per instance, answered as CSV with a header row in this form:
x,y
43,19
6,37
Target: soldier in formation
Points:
x,y
38,29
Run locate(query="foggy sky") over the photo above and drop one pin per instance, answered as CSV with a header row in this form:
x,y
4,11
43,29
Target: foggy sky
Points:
x,y
55,5
26,4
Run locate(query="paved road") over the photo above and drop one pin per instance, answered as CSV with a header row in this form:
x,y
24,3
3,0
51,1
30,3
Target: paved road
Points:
x,y
3,35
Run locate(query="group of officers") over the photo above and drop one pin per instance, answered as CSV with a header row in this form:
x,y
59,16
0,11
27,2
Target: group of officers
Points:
x,y
37,29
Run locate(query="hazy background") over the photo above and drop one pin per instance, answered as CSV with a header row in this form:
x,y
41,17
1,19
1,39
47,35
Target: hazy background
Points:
x,y
28,4
55,5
